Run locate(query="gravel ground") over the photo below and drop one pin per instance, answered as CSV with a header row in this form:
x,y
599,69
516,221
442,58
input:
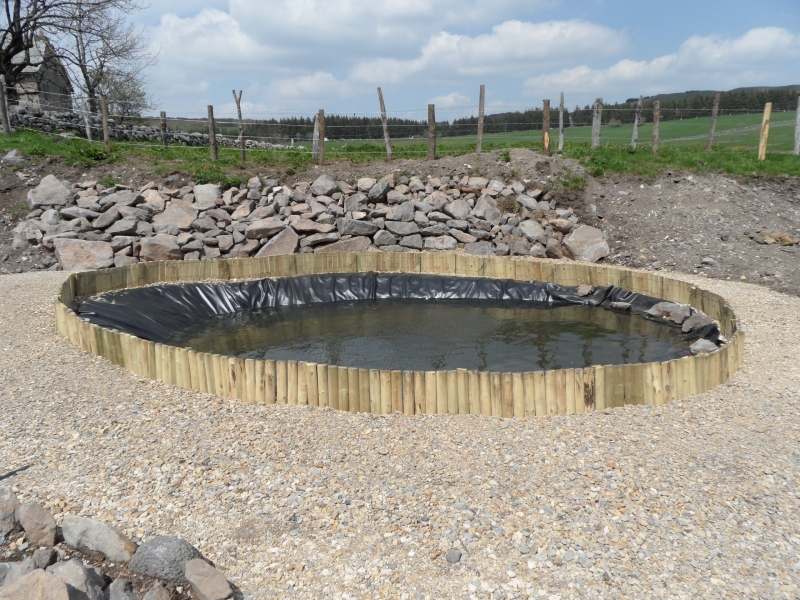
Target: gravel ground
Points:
x,y
698,499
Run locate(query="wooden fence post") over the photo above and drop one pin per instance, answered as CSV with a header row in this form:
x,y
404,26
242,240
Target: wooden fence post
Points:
x,y
104,113
656,124
212,132
546,127
321,136
164,129
481,100
762,140
637,121
315,140
238,100
714,112
385,123
797,129
561,123
4,107
431,132
597,120
86,121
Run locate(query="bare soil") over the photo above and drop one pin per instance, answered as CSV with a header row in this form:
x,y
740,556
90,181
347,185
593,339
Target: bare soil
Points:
x,y
699,224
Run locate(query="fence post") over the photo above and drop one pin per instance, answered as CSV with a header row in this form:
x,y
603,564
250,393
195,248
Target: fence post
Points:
x,y
546,127
797,129
431,132
212,132
321,136
385,123
762,140
315,140
561,123
714,112
104,114
238,100
164,129
481,100
597,120
656,124
4,106
637,121
86,121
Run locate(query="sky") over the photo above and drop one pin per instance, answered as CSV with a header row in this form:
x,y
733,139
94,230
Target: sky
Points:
x,y
293,57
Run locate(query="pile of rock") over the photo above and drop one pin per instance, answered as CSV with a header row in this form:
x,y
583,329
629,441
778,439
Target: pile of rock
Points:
x,y
59,571
88,226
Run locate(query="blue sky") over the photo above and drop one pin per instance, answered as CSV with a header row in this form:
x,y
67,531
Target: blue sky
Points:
x,y
296,56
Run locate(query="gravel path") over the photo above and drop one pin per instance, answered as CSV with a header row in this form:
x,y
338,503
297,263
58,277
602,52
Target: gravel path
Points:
x,y
699,499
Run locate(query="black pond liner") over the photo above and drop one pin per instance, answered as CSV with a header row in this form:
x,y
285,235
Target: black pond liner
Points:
x,y
157,313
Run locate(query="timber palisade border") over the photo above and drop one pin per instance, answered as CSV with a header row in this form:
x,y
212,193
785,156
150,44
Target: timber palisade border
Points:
x,y
555,392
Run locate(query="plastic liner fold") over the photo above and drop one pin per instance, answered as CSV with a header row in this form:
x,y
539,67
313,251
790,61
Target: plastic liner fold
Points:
x,y
156,313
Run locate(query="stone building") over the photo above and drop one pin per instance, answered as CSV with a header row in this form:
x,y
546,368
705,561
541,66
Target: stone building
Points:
x,y
45,83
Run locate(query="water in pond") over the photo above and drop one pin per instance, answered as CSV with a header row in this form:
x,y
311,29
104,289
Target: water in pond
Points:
x,y
423,335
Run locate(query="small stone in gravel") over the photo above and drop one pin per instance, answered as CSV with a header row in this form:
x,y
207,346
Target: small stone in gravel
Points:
x,y
38,523
74,573
207,582
163,556
453,555
37,585
120,589
91,535
703,346
8,509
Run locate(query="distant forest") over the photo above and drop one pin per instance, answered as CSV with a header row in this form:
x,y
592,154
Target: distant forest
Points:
x,y
342,127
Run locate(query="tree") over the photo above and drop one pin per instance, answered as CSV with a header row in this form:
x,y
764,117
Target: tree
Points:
x,y
126,96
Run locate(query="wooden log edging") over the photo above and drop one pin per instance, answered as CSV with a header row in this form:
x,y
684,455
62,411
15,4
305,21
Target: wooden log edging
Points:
x,y
460,391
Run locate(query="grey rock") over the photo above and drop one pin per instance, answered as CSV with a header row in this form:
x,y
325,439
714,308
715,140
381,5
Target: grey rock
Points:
x,y
125,226
283,243
93,536
4,569
397,197
318,239
124,261
416,185
122,241
355,203
262,212
160,247
703,346
453,555
519,247
136,213
561,225
18,570
677,313
324,185
384,238
501,249
424,207
8,509
458,209
207,582
353,227
587,244
157,592
459,224
243,211
377,193
13,158
438,229
538,250
43,558
75,574
206,196
75,212
356,244
81,255
623,306
204,224
177,214
485,208
478,183
443,242
403,212
36,585
402,228
584,290
50,192
307,226
225,242
263,228
165,556
527,202
533,231
365,184
696,321
124,198
462,237
412,241
479,249
24,233
553,249
120,589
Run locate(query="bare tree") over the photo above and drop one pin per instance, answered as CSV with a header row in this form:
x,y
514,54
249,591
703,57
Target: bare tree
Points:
x,y
127,96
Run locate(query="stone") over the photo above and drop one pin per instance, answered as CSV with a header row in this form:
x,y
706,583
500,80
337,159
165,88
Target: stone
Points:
x,y
453,555
204,224
8,510
696,321
462,237
262,212
177,214
81,255
353,227
18,570
126,226
75,574
519,247
702,346
4,569
206,196
533,231
479,249
495,185
120,589
365,184
164,556
396,197
157,592
384,238
584,290
402,228
623,306
324,185
478,183
37,585
356,244
93,536
561,225
123,260
403,212
23,234
538,250
435,215
160,247
225,242
486,209
677,313
307,226
43,558
416,185
377,193
554,249
75,212
438,229
528,202
443,242
412,241
587,244
13,158
50,192
501,249
241,250
319,238
207,582
283,243
264,228
155,200
355,203
136,213
459,209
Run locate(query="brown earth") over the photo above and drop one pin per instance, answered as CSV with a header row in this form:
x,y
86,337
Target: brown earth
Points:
x,y
700,224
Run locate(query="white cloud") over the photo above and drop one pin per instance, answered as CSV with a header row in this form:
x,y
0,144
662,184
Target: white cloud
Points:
x,y
455,99
759,57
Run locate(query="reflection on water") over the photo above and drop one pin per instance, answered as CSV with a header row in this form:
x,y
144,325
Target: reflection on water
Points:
x,y
423,335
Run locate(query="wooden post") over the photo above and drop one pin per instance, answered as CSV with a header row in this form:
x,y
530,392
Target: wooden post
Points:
x,y
597,120
762,140
321,121
164,129
431,132
385,123
546,127
656,124
315,140
212,132
4,107
238,99
481,100
104,113
797,129
86,121
637,121
561,123
714,112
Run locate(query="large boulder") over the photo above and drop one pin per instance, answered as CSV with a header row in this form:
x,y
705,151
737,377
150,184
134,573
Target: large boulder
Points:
x,y
160,247
283,243
82,255
206,195
324,186
75,574
587,244
90,536
164,557
37,585
207,582
8,510
49,193
178,214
